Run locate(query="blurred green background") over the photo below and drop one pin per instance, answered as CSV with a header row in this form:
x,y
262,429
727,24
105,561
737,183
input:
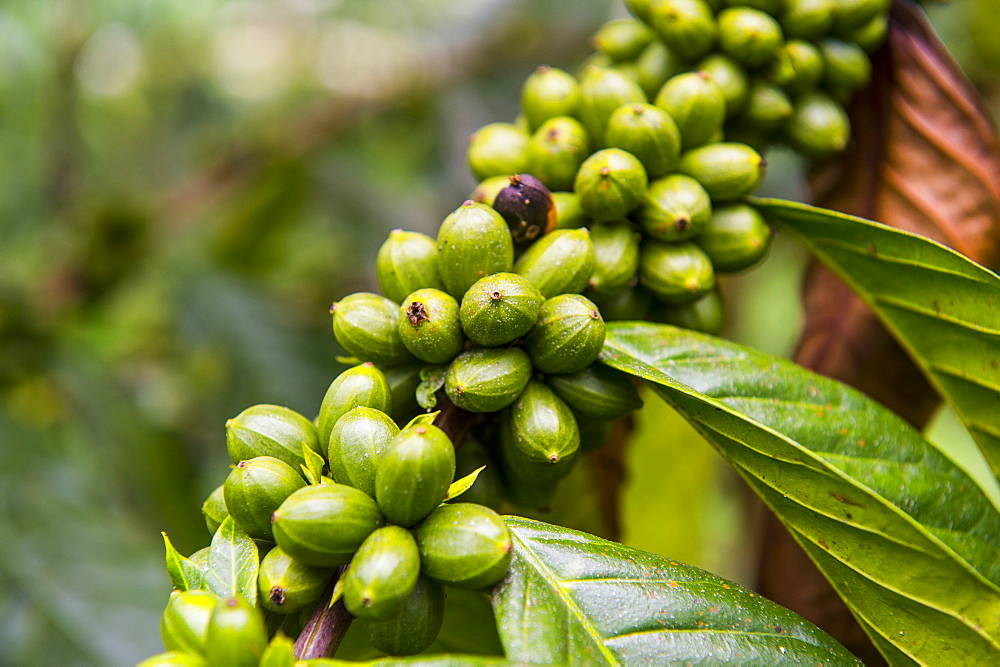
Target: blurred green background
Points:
x,y
184,189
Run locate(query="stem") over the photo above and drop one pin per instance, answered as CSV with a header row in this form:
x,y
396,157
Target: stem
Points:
x,y
326,628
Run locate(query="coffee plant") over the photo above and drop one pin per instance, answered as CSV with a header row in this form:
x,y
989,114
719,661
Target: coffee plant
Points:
x,y
512,345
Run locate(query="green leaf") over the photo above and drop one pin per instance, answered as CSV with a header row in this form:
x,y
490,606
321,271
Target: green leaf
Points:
x,y
572,598
279,653
426,418
313,467
905,536
432,378
232,563
941,306
460,486
184,575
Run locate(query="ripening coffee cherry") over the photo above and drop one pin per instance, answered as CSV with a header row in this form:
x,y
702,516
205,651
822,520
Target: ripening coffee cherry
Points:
x,y
696,104
547,93
569,213
675,208
464,545
767,110
487,379
848,68
236,634
616,253
559,263
622,40
736,237
364,385
255,488
568,335
675,272
406,262
819,127
417,624
382,575
271,430
654,66
214,509
184,623
686,26
603,90
473,242
597,392
647,132
499,308
527,207
807,19
798,67
727,170
366,326
497,149
556,150
732,79
285,585
414,474
324,524
429,326
610,183
707,314
749,36
357,442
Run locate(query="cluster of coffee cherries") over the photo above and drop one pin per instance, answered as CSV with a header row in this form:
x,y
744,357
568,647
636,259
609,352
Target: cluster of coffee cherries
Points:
x,y
371,496
656,142
490,315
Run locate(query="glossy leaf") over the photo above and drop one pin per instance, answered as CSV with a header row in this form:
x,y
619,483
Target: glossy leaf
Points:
x,y
184,574
232,563
943,308
904,535
572,598
460,486
312,469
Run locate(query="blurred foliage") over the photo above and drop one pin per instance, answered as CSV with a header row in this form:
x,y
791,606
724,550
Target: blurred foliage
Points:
x,y
186,187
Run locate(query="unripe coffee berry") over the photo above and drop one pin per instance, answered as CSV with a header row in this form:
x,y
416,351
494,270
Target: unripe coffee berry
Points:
x,y
236,634
357,442
542,426
819,126
500,308
749,36
610,183
647,132
559,263
696,104
568,336
616,253
675,272
255,488
686,26
622,40
727,170
382,575
271,430
732,79
706,314
675,208
366,326
597,392
603,90
184,623
414,474
487,379
429,326
473,242
807,19
364,385
406,262
214,509
417,624
464,545
735,238
286,585
556,150
497,149
549,92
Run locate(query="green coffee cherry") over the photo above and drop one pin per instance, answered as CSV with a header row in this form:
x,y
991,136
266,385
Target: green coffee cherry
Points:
x,y
735,238
214,509
594,433
465,546
807,19
357,442
568,335
414,474
406,262
852,14
767,110
173,659
623,40
403,381
366,326
417,624
382,574
647,132
610,183
597,392
488,488
559,263
556,150
726,170
732,80
473,242
632,304
686,26
497,149
286,585
324,524
527,207
485,193
547,93
697,105
487,379
270,430
675,273
531,483
707,314
749,36
602,91
255,488
236,634
364,385
429,326
848,68
819,127
869,36
676,208
500,308
616,253
184,623
798,67
569,213
654,66
641,9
